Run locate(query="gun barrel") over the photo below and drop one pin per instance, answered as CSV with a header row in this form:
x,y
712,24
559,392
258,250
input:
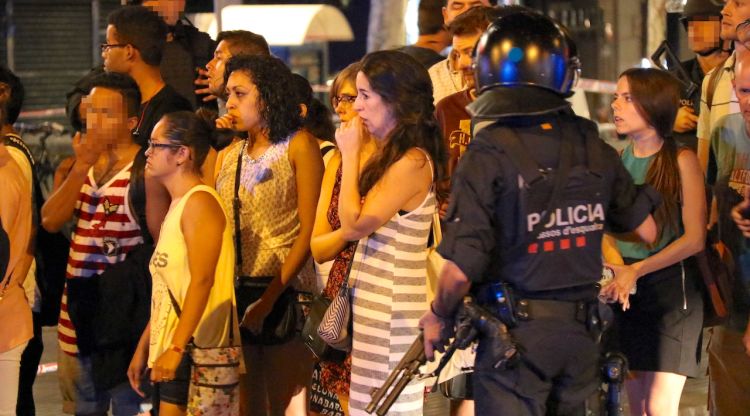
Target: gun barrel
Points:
x,y
405,370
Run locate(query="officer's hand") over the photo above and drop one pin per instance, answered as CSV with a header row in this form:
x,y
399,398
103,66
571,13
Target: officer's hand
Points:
x,y
436,332
686,120
738,214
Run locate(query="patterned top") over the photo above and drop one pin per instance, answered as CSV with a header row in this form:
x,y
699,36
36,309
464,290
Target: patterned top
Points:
x,y
105,232
269,222
445,80
389,295
335,376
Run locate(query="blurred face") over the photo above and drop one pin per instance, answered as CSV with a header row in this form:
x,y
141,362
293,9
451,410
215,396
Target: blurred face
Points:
x,y
463,48
455,7
741,85
162,156
106,116
628,120
215,68
703,35
344,101
733,13
115,54
243,103
169,10
374,112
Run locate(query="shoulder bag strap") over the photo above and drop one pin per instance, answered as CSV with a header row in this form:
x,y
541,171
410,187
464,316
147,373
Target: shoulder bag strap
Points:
x,y
236,205
713,82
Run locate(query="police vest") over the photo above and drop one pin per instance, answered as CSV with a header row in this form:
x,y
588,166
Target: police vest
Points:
x,y
552,220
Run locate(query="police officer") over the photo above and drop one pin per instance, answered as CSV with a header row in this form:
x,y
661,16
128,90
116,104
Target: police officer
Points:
x,y
531,198
702,21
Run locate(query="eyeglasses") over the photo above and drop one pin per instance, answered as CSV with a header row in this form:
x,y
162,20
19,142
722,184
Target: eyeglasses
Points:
x,y
106,46
155,145
343,98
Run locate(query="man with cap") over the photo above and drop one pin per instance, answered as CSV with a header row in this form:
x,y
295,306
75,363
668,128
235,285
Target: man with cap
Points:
x,y
529,203
702,20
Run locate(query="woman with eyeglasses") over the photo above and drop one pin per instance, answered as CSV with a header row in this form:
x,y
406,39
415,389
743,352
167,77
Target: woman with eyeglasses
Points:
x,y
328,245
275,174
193,337
387,203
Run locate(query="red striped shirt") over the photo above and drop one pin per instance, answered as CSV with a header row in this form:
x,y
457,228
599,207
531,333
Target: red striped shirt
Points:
x,y
105,232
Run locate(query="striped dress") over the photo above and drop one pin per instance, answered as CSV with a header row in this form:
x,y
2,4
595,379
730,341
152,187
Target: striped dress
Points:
x,y
389,295
105,232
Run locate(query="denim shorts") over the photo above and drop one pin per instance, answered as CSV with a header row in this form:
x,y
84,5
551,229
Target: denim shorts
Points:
x,y
175,391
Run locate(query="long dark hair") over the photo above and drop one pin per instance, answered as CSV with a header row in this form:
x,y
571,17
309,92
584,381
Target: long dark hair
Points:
x,y
656,96
405,87
278,106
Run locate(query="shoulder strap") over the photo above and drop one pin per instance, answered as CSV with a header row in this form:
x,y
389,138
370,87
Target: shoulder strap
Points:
x,y
236,205
326,148
37,198
178,311
713,82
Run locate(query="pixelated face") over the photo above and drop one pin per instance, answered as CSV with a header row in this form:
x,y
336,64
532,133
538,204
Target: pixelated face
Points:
x,y
375,113
105,115
215,68
114,54
733,13
345,97
703,35
628,120
455,7
243,103
169,10
463,49
741,85
161,153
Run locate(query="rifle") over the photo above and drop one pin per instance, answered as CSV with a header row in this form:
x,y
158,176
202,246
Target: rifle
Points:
x,y
471,320
689,87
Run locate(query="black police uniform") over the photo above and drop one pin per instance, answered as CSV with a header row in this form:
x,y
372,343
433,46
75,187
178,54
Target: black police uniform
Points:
x,y
492,216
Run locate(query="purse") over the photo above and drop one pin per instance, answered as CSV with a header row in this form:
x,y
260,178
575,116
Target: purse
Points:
x,y
435,261
214,375
316,345
280,325
716,267
335,327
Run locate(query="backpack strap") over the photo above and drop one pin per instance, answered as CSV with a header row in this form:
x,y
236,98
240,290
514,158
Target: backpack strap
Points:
x,y
37,198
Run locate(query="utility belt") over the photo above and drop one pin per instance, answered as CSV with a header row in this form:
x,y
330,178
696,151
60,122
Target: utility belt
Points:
x,y
502,301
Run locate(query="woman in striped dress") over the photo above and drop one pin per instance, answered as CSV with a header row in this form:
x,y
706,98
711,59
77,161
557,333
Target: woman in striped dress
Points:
x,y
389,207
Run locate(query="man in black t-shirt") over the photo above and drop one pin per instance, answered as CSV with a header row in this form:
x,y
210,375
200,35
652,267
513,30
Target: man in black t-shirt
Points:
x,y
529,204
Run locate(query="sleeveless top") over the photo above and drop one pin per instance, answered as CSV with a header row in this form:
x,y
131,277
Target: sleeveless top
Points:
x,y
105,231
170,272
389,295
638,168
269,222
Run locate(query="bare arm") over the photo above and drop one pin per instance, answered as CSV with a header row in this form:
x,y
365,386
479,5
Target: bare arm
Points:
x,y
326,243
59,207
157,205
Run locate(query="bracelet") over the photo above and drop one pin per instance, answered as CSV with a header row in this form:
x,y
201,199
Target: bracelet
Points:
x,y
176,349
434,312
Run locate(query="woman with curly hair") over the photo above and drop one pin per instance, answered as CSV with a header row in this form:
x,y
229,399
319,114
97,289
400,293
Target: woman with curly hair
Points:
x,y
387,203
279,171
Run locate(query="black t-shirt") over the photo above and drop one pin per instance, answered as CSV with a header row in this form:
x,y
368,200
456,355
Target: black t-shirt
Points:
x,y
485,218
167,100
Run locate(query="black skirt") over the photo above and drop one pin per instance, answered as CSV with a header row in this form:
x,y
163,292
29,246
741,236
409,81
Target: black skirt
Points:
x,y
662,329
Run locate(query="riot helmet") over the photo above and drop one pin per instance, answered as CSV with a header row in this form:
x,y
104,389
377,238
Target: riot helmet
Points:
x,y
701,10
526,49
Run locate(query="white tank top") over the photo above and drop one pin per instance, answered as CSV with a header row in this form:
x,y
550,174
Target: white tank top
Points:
x,y
170,271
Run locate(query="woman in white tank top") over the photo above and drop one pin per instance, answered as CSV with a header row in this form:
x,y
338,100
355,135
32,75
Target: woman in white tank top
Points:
x,y
193,326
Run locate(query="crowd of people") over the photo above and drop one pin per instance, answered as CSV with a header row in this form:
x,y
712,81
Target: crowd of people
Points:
x,y
201,220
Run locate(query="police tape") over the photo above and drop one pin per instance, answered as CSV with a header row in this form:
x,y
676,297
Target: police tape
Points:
x,y
46,368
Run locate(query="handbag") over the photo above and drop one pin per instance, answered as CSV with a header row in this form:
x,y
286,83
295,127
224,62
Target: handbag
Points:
x,y
214,375
280,325
335,327
316,345
716,267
